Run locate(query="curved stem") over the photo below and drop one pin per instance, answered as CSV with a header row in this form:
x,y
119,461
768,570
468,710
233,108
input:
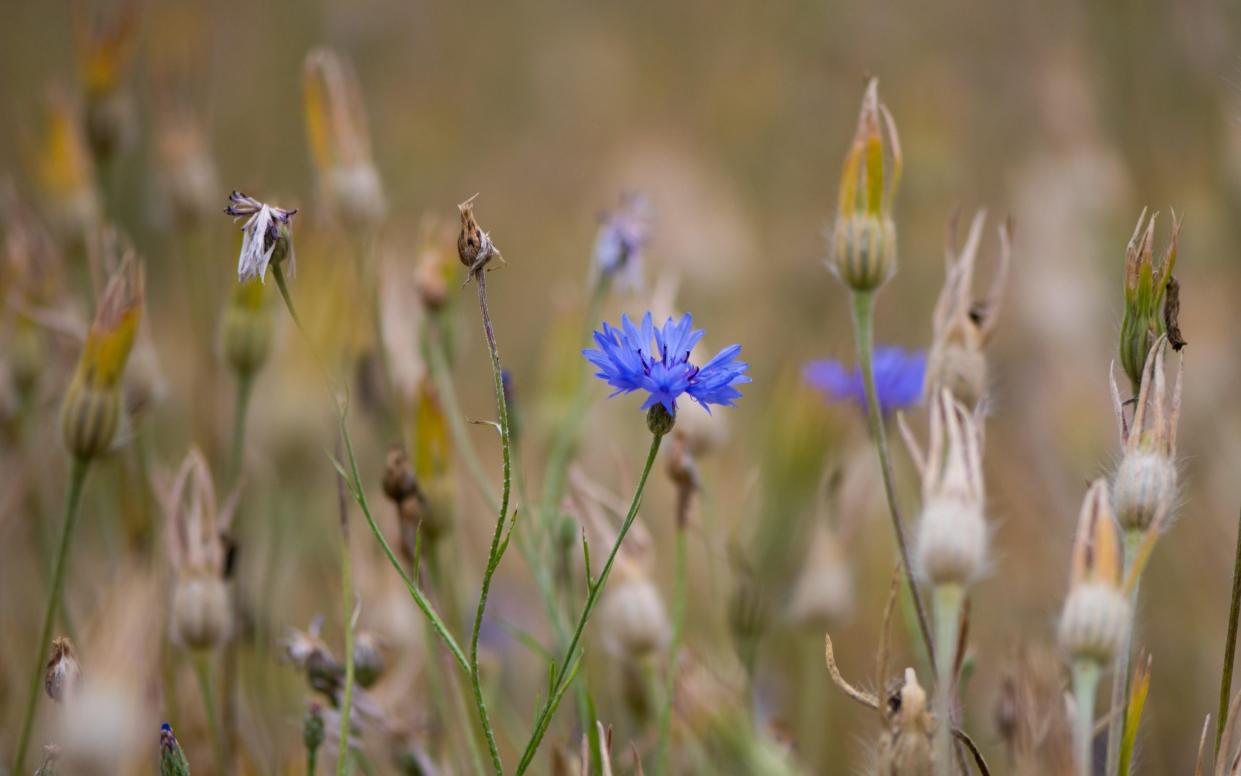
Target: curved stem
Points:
x,y
594,588
863,328
1085,682
202,671
497,544
674,650
77,477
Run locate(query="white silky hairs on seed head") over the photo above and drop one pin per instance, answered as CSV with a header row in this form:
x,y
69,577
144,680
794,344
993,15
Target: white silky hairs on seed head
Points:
x,y
951,545
1095,620
267,236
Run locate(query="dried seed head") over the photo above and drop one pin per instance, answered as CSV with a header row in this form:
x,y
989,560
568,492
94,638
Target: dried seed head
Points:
x,y
1096,614
368,659
187,173
951,544
632,617
435,274
1145,289
104,49
100,730
702,431
63,677
823,595
267,236
961,325
905,745
340,140
1144,487
864,237
474,246
246,329
201,615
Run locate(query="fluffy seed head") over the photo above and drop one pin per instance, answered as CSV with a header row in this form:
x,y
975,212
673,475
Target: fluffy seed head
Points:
x,y
1096,614
201,612
951,544
63,676
632,617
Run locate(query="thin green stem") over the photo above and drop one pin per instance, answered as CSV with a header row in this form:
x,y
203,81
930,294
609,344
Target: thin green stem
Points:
x,y
77,477
947,612
1230,644
202,671
497,544
311,756
1119,708
567,667
674,649
347,603
863,328
1085,683
245,384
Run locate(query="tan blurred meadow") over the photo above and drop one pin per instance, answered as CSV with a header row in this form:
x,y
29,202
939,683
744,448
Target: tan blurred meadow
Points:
x,y
223,576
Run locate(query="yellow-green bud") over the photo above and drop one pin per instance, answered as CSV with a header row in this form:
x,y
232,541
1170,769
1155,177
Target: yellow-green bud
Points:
x,y
246,329
1145,289
89,418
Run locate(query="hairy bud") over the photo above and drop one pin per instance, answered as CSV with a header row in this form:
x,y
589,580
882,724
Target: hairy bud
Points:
x,y
1096,614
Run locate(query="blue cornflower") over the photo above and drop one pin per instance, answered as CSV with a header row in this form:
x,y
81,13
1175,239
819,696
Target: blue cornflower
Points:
x,y
628,362
898,379
623,234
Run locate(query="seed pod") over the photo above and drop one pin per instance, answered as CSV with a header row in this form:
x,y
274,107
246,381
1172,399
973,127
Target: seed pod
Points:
x,y
1144,486
63,676
905,744
1095,620
201,612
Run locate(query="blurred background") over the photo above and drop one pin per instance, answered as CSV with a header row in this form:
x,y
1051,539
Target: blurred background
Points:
x,y
732,119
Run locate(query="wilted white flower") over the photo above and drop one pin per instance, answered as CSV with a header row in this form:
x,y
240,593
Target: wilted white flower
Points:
x,y
267,236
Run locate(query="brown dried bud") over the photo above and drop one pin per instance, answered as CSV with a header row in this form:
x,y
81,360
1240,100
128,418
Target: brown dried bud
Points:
x,y
399,482
474,246
63,677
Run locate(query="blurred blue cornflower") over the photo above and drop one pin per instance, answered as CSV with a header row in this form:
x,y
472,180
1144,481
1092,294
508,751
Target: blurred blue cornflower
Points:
x,y
623,233
898,379
627,362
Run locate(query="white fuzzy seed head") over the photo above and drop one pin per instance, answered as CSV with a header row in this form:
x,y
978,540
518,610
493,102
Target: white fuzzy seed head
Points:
x,y
1143,488
632,617
201,612
952,542
1094,622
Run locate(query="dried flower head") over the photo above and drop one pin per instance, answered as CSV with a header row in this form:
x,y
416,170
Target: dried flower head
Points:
x,y
1145,483
339,139
951,543
201,615
864,237
436,272
905,744
1095,618
91,411
961,325
474,246
1146,286
63,677
623,234
104,49
267,236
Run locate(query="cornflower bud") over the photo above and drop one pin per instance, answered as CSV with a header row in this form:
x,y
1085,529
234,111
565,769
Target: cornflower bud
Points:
x,y
246,328
340,141
1145,483
864,237
961,326
1145,290
201,614
1095,619
951,544
632,617
313,729
90,414
104,53
172,760
63,677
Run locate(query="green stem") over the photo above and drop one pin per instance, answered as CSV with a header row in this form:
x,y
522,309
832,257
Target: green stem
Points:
x,y
202,671
1230,645
1085,683
311,756
1119,709
594,589
947,612
77,477
863,327
497,544
674,650
346,591
245,384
